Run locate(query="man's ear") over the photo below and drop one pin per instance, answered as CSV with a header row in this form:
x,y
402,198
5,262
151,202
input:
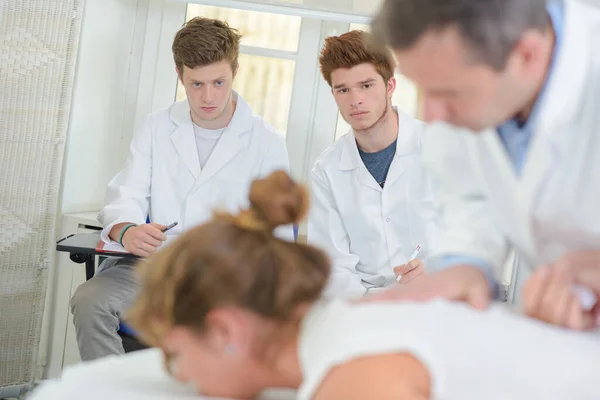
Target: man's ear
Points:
x,y
235,70
527,54
391,86
179,75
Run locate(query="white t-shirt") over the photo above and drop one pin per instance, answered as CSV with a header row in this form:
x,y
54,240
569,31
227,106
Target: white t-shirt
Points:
x,y
206,140
470,355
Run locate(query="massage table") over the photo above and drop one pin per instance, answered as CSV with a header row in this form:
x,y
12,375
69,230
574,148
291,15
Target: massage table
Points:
x,y
134,376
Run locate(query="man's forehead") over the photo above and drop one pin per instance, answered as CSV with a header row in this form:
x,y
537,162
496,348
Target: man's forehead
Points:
x,y
208,72
359,74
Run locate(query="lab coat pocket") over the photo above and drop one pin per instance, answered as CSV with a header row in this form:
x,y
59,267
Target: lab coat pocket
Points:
x,y
365,235
357,225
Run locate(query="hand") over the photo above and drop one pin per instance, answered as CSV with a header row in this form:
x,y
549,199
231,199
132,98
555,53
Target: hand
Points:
x,y
144,240
410,271
585,267
460,283
548,294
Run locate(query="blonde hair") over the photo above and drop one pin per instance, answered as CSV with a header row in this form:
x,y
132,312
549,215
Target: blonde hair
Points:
x,y
233,260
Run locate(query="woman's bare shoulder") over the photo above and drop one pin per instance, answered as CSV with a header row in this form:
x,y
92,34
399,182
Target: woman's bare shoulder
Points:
x,y
379,377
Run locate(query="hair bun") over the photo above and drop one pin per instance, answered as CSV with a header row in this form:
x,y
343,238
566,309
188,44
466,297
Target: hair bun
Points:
x,y
278,200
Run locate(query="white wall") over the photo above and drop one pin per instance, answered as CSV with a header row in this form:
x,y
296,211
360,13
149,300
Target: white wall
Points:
x,y
101,101
102,119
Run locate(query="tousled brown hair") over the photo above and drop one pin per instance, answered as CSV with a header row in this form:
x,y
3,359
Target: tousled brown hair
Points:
x,y
233,260
354,48
205,41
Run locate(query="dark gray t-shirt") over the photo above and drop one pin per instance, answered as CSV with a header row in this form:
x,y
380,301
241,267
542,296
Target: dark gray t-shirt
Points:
x,y
378,163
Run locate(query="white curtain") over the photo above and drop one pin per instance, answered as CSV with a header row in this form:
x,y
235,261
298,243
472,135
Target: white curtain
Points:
x,y
38,46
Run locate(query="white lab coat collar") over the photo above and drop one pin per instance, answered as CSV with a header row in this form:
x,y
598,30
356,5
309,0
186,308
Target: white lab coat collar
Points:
x,y
566,87
350,158
554,134
240,122
227,147
407,143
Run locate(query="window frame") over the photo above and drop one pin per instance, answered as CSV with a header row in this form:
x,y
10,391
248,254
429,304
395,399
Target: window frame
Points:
x,y
299,10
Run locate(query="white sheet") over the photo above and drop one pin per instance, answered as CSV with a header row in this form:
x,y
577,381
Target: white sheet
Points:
x,y
135,376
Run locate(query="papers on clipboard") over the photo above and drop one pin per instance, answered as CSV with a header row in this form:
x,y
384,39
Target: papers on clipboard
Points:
x,y
110,248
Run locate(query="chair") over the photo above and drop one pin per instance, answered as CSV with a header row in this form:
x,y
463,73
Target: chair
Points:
x,y
129,340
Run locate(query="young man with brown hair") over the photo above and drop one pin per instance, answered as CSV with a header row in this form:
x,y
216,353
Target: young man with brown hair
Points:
x,y
196,156
372,201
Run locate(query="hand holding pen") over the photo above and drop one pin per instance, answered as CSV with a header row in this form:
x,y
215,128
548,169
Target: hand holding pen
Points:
x,y
409,271
169,227
144,240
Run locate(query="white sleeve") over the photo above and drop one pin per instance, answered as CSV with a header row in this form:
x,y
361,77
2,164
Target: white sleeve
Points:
x,y
276,159
469,226
326,230
128,193
49,390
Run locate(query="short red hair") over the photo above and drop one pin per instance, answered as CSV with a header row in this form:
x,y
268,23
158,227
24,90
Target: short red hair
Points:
x,y
351,49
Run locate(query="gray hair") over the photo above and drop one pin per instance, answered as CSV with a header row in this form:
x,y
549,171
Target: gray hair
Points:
x,y
490,27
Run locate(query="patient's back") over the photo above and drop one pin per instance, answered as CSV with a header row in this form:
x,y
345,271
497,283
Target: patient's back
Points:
x,y
496,354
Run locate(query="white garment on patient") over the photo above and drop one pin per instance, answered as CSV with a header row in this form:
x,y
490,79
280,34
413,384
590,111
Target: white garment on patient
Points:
x,y
206,140
470,355
134,376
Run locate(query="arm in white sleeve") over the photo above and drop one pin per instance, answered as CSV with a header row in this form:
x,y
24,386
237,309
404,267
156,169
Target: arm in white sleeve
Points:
x,y
326,230
449,261
277,159
469,228
128,193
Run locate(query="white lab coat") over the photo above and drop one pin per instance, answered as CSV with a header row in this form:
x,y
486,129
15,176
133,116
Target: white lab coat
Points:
x,y
162,177
367,230
554,207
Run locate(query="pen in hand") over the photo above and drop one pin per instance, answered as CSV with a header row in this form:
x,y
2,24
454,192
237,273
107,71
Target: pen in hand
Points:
x,y
414,255
166,228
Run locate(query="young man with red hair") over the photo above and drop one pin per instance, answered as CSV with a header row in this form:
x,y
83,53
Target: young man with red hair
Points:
x,y
372,201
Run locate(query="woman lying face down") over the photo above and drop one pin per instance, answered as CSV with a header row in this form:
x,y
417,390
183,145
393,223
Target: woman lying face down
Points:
x,y
237,310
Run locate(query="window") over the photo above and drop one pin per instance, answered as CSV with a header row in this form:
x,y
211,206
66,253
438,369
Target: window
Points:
x,y
259,29
267,60
362,27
